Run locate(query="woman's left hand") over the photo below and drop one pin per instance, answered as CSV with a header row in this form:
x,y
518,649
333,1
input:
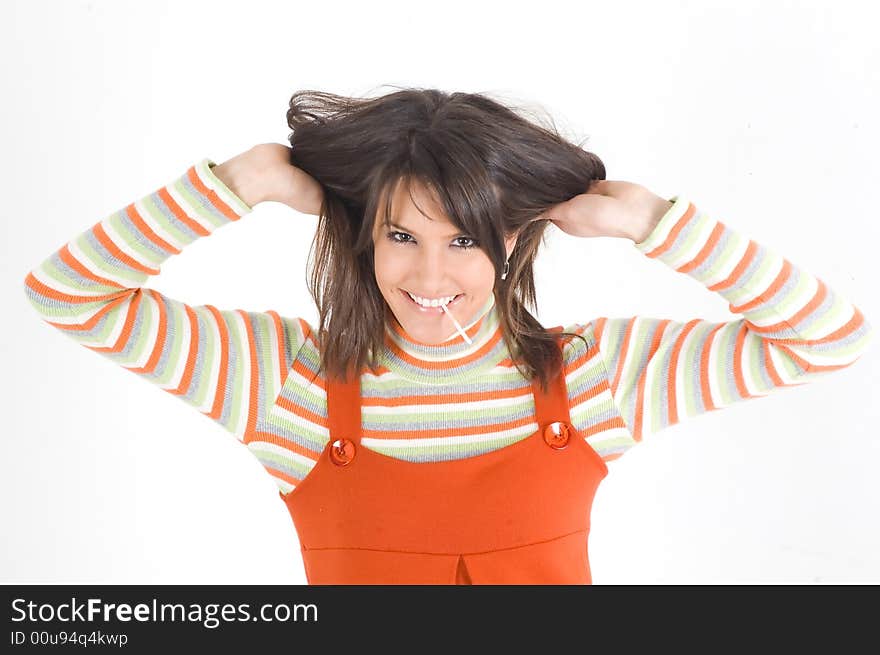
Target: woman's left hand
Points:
x,y
610,208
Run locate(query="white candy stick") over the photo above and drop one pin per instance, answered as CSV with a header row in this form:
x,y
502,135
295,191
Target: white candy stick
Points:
x,y
457,326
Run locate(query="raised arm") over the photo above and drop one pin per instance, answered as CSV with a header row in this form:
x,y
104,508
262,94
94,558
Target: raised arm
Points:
x,y
229,364
794,329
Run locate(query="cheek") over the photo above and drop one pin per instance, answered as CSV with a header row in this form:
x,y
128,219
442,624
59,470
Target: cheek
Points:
x,y
477,273
389,267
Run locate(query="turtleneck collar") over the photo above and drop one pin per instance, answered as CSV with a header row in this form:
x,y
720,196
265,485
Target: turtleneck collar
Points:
x,y
451,361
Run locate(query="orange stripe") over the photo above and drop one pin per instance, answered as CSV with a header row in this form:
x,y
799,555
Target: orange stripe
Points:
x,y
771,368
818,368
610,424
583,358
442,399
803,363
254,382
815,302
689,213
189,367
305,372
200,186
49,292
774,374
425,402
67,257
300,411
599,328
672,389
89,324
853,324
844,331
737,272
597,389
181,215
817,299
217,408
705,251
442,365
291,446
105,240
161,335
781,278
138,221
381,370
127,326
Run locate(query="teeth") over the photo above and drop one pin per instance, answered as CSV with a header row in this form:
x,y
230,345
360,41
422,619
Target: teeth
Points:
x,y
431,303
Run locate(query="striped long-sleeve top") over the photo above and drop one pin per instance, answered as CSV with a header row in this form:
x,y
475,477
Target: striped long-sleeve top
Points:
x,y
254,373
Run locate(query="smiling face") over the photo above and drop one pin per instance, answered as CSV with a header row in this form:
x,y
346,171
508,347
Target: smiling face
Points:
x,y
430,259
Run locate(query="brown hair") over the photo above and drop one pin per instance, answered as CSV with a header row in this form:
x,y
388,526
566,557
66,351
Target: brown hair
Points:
x,y
492,170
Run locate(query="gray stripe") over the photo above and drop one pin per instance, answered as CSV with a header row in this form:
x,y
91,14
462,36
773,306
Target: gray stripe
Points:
x,y
105,256
719,251
202,200
187,234
74,278
122,222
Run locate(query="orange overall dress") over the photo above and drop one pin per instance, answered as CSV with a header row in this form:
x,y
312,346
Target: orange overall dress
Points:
x,y
516,515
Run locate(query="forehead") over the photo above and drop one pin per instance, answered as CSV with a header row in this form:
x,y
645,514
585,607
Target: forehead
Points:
x,y
409,204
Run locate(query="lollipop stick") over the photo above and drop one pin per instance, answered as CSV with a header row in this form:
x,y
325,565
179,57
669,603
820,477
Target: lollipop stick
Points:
x,y
457,326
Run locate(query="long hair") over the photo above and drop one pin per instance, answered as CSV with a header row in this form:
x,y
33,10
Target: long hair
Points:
x,y
492,171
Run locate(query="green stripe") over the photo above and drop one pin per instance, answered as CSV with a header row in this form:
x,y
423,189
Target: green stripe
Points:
x,y
424,415
685,355
124,229
212,216
175,333
152,205
210,352
237,384
132,277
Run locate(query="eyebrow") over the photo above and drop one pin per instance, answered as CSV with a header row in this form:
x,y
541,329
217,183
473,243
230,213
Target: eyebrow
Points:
x,y
406,229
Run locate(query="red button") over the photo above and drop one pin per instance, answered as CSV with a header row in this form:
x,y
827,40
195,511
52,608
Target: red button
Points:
x,y
556,434
342,452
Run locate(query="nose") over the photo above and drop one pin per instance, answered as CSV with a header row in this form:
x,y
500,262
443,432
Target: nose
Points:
x,y
435,267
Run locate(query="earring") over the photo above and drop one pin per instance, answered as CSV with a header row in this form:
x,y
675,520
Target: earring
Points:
x,y
506,270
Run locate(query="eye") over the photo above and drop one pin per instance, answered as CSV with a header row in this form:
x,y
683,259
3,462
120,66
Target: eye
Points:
x,y
392,237
473,244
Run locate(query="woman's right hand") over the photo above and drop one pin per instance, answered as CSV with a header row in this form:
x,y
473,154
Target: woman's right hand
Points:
x,y
285,182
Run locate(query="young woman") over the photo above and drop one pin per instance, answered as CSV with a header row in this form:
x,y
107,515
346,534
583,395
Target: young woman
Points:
x,y
429,430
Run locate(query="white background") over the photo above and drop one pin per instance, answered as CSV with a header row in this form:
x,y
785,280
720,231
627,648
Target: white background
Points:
x,y
763,113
